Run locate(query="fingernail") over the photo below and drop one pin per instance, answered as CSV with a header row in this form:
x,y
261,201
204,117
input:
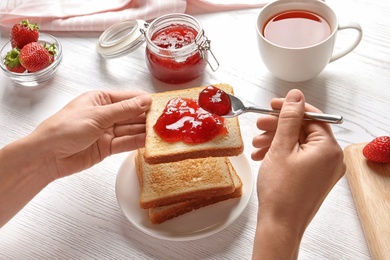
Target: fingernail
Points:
x,y
144,100
294,96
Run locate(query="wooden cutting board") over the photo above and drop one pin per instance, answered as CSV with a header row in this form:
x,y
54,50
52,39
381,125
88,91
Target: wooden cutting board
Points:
x,y
370,186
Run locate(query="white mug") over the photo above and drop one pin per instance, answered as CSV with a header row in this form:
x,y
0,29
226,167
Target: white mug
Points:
x,y
302,63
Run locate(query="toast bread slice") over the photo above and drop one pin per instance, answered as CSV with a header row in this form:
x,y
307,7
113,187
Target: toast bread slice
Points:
x,y
168,183
159,215
158,150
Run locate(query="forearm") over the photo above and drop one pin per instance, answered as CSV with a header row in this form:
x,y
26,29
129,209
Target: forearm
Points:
x,y
24,172
274,240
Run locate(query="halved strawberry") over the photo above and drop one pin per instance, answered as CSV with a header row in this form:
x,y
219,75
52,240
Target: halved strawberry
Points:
x,y
378,150
23,33
12,63
34,57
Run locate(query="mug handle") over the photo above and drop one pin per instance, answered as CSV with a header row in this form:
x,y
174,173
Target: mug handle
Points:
x,y
354,26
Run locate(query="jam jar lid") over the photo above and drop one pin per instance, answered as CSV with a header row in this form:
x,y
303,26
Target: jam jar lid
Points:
x,y
121,38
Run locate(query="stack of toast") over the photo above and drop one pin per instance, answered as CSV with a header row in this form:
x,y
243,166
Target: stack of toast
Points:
x,y
176,177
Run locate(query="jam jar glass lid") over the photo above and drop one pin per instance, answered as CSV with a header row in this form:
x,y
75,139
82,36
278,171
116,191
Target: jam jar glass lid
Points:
x,y
121,38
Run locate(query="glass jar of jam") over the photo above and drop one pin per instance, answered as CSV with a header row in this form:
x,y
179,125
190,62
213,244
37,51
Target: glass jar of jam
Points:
x,y
177,50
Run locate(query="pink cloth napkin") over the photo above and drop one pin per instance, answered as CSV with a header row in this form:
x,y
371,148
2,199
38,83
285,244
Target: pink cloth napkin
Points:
x,y
97,15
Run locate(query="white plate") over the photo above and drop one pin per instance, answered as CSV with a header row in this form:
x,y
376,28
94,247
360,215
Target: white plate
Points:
x,y
196,224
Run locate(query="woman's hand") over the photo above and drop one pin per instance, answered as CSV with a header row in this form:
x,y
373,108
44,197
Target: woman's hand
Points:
x,y
91,127
83,133
302,161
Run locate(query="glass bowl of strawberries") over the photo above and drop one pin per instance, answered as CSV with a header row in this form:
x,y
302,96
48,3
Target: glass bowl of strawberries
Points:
x,y
30,57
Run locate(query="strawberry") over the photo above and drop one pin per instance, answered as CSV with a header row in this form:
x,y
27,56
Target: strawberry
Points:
x,y
378,150
52,50
11,61
34,57
23,33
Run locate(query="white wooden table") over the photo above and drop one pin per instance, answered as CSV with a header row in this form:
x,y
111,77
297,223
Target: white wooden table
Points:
x,y
79,218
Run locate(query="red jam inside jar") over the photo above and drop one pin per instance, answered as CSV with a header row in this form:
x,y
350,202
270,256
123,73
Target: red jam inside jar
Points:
x,y
175,36
184,120
215,100
172,54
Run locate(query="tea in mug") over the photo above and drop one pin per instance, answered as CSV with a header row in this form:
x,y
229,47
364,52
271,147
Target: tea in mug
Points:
x,y
296,29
